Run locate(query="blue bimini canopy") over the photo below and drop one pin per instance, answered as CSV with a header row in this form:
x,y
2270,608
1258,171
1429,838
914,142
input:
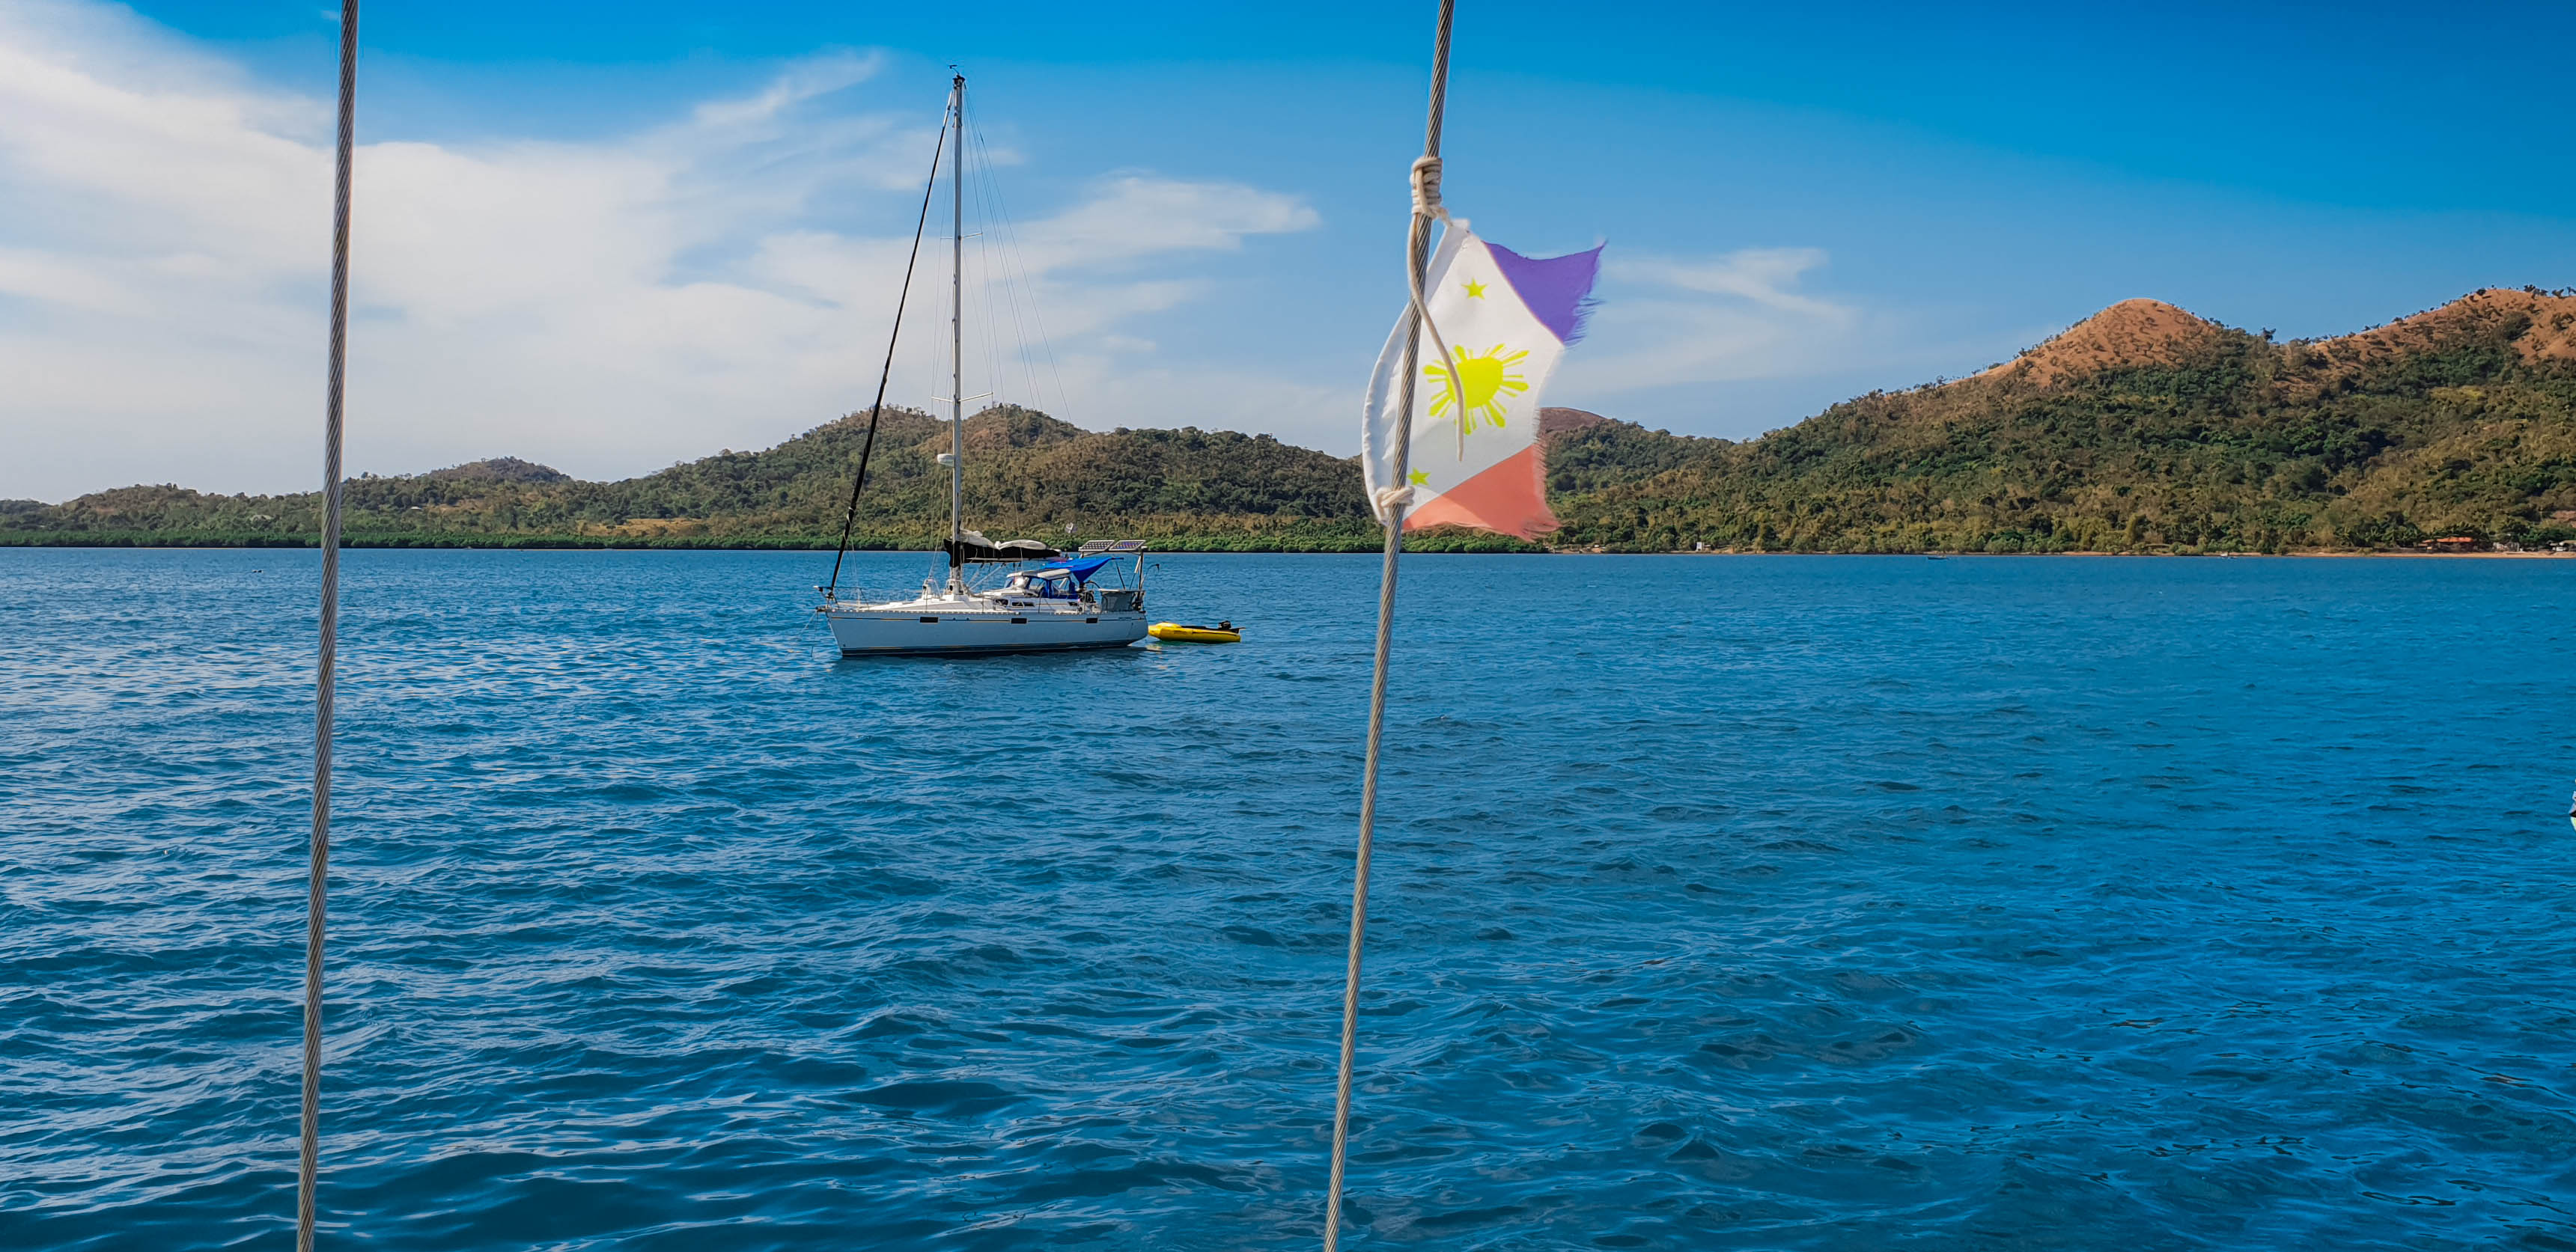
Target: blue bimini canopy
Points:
x,y
1082,568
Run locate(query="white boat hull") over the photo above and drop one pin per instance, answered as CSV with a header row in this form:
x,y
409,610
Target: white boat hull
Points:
x,y
899,630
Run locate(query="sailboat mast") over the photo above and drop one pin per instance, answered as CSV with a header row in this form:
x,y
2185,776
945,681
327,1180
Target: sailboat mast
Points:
x,y
957,333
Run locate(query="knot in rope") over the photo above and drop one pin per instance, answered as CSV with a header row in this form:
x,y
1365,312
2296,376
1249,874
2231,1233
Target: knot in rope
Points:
x,y
1391,498
1426,188
1427,208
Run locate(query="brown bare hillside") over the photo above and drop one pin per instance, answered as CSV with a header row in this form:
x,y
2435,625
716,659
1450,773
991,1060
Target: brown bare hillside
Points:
x,y
2132,332
2547,322
1556,422
2541,326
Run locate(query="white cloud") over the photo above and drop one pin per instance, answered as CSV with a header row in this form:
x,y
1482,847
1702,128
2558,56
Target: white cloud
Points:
x,y
1760,275
609,307
1729,318
1738,343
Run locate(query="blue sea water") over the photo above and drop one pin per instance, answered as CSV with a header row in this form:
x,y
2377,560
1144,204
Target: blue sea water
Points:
x,y
1762,903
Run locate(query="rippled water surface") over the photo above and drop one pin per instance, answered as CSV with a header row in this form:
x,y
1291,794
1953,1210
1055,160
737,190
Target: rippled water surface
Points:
x,y
1722,903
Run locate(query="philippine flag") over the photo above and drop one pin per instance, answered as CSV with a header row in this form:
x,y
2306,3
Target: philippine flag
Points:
x,y
1507,320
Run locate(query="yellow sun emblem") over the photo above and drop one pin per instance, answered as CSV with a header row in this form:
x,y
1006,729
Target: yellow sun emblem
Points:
x,y
1482,383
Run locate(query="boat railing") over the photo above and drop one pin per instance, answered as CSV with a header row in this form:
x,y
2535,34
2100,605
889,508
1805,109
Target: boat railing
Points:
x,y
850,596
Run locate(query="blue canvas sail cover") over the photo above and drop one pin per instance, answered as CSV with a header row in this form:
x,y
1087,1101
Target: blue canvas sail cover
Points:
x,y
1082,568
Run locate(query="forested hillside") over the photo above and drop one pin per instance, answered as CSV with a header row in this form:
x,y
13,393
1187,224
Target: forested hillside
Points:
x,y
1027,474
2142,428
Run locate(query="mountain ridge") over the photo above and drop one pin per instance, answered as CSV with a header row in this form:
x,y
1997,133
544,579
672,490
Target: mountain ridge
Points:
x,y
2141,428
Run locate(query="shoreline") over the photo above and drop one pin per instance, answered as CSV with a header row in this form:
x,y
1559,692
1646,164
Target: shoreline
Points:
x,y
2334,553
542,545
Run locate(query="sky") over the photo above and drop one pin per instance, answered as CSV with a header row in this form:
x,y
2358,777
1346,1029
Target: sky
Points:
x,y
611,237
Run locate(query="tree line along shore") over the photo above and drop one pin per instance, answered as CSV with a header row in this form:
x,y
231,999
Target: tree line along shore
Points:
x,y
2142,429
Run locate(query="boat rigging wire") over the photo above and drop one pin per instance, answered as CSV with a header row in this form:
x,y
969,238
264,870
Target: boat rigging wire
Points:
x,y
1417,261
1017,285
987,281
309,1155
876,410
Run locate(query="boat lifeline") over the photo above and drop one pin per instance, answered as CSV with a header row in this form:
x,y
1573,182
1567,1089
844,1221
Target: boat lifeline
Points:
x,y
1054,607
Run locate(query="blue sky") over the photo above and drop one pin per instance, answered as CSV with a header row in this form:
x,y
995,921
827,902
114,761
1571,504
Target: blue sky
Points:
x,y
614,236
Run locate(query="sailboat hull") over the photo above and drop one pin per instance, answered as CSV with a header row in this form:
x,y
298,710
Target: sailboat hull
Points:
x,y
877,632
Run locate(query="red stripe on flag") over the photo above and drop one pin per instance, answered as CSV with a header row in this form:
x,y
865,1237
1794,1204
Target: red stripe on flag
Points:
x,y
1510,498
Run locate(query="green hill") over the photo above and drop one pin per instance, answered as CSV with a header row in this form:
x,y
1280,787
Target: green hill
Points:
x,y
1026,474
2141,429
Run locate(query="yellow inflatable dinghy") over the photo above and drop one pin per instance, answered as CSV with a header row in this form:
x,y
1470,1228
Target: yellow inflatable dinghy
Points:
x,y
1174,632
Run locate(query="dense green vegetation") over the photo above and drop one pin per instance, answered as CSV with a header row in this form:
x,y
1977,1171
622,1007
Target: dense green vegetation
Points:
x,y
2457,423
1026,475
2235,444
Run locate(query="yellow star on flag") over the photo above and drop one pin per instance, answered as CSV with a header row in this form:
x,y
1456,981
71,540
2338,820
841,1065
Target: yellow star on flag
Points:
x,y
1475,290
1420,478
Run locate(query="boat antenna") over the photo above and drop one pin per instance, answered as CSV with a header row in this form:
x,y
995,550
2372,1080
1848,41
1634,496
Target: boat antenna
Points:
x,y
309,1156
868,446
1426,207
957,337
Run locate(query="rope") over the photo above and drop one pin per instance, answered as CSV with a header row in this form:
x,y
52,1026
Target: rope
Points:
x,y
309,1162
1427,206
894,337
1417,259
1426,188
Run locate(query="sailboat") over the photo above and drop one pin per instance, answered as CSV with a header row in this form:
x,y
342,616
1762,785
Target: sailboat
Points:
x,y
1066,602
